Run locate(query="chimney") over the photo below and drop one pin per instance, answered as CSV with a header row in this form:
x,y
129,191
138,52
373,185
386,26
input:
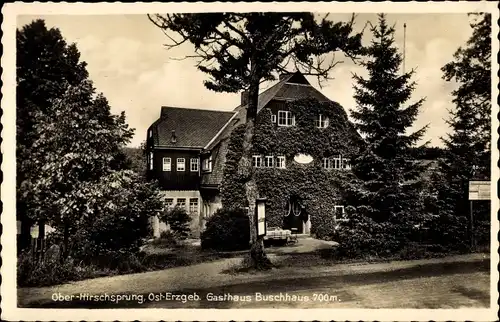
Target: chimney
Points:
x,y
244,98
173,139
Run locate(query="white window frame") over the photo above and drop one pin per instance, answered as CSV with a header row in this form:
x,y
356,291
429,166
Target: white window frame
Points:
x,y
335,213
181,164
322,122
268,161
257,161
333,163
287,117
177,202
326,163
167,164
207,164
346,163
191,203
273,118
196,163
337,162
150,160
169,203
281,162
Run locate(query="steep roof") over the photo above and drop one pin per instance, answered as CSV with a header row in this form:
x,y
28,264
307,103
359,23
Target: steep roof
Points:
x,y
194,128
292,86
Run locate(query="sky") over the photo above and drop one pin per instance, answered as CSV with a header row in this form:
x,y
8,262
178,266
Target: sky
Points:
x,y
129,64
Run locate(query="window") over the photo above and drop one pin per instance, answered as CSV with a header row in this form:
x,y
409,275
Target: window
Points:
x,y
169,202
195,164
285,118
332,163
181,164
181,202
150,160
339,213
322,121
273,118
207,164
150,133
257,161
206,209
269,161
280,162
346,164
167,164
193,205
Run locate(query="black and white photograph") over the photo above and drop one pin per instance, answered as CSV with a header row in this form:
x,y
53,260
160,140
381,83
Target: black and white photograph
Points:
x,y
257,158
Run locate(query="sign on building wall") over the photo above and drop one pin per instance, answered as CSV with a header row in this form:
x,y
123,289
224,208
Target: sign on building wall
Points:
x,y
479,190
261,217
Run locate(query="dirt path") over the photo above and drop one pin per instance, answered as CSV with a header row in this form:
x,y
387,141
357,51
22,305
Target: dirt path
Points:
x,y
211,275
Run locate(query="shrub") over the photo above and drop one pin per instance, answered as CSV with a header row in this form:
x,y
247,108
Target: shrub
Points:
x,y
179,220
362,237
227,230
117,219
49,271
167,239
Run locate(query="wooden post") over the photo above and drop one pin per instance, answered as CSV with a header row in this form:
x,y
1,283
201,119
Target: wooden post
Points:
x,y
471,225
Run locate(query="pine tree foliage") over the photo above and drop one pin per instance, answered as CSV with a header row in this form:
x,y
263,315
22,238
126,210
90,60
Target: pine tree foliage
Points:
x,y
387,170
467,148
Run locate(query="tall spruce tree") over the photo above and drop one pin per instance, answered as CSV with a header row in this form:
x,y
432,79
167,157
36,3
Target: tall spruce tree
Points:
x,y
468,148
387,170
239,50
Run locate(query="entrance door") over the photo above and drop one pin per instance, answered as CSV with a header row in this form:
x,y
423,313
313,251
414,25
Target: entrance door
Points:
x,y
294,214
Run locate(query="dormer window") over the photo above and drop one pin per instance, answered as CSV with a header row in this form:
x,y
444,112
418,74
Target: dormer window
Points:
x,y
285,118
322,121
207,164
273,118
173,138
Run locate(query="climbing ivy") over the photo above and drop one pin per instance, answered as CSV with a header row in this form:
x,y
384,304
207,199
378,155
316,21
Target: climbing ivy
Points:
x,y
318,189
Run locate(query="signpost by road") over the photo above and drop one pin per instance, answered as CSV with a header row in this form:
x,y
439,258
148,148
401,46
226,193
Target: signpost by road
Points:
x,y
260,213
478,190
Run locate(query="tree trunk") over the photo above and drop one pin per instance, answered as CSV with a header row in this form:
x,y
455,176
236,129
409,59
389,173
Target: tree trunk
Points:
x,y
257,257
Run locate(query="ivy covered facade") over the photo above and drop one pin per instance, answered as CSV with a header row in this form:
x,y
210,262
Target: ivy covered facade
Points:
x,y
302,148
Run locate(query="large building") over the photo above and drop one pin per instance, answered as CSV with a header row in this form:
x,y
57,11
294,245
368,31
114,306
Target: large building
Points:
x,y
187,147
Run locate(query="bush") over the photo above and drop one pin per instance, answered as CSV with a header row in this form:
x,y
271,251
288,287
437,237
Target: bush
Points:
x,y
179,221
117,220
167,239
362,237
227,230
49,271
